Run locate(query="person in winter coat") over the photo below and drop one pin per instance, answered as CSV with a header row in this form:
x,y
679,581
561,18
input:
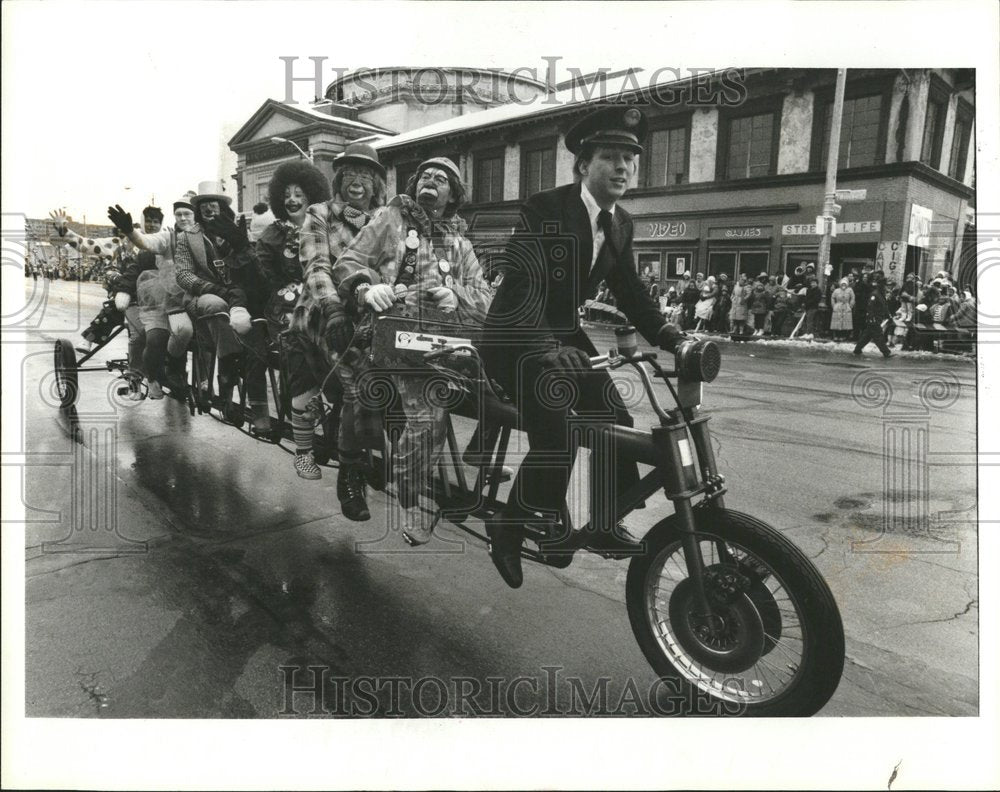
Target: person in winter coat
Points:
x,y
842,304
704,307
738,312
720,314
689,299
875,314
780,311
760,305
162,297
902,321
214,261
415,250
810,304
319,343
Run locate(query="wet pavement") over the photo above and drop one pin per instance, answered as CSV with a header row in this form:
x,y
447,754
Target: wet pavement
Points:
x,y
195,575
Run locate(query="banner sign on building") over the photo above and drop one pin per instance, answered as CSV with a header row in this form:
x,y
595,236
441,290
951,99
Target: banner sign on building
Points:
x,y
920,226
663,229
740,233
809,229
890,259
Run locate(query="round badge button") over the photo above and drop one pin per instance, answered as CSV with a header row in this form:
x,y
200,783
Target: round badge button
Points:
x,y
444,265
449,281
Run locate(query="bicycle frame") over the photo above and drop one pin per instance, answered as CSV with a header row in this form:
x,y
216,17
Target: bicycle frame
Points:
x,y
681,473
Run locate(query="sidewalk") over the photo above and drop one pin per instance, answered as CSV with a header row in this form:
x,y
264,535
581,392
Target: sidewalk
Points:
x,y
815,345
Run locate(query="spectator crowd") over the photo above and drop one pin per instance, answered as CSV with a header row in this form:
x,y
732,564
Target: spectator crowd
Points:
x,y
910,316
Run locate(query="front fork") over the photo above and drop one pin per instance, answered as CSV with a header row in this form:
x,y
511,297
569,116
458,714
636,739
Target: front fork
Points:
x,y
687,472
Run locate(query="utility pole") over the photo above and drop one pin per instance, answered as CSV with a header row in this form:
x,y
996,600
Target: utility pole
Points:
x,y
830,208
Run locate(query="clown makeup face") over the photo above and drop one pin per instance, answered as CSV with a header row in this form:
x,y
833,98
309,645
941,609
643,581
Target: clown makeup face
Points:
x,y
295,203
433,191
357,186
183,218
208,210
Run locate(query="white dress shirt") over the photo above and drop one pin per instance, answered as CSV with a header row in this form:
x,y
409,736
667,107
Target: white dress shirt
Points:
x,y
593,210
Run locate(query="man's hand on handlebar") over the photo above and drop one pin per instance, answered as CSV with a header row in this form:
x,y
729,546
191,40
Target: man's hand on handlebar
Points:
x,y
669,337
568,359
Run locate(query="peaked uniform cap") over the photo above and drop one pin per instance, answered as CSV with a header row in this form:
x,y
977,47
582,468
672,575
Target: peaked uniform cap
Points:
x,y
619,125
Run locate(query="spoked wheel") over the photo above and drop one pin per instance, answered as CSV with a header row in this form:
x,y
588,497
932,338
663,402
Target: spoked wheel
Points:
x,y
772,643
67,386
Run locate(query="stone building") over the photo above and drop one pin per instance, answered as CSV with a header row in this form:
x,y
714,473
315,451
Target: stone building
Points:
x,y
364,104
733,176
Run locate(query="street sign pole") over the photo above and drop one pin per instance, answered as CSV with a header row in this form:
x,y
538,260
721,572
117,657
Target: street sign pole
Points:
x,y
832,158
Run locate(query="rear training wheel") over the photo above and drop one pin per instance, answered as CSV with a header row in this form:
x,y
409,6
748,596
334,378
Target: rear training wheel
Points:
x,y
67,386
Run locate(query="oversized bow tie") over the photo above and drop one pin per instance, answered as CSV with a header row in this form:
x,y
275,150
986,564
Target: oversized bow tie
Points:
x,y
355,217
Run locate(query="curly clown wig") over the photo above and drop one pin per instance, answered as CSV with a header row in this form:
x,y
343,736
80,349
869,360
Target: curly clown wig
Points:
x,y
302,173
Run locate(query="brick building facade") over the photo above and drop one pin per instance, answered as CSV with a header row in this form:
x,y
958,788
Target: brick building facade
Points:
x,y
733,175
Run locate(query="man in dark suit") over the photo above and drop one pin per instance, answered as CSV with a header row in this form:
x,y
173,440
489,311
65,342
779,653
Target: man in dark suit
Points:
x,y
575,237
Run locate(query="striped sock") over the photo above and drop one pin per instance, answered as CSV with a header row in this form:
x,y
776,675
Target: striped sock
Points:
x,y
302,431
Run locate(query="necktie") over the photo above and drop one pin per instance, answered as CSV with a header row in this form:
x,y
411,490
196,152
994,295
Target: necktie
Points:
x,y
604,223
607,249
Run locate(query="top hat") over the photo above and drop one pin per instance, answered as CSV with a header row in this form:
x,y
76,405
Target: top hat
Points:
x,y
611,126
210,191
360,154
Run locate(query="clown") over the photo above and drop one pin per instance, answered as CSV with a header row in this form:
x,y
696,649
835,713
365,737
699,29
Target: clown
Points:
x,y
293,188
416,250
215,267
321,329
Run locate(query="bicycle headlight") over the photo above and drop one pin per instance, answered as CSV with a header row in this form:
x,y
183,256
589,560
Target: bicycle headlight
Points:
x,y
698,361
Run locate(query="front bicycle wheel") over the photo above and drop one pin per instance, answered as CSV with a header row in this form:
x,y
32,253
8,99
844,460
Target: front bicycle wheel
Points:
x,y
772,643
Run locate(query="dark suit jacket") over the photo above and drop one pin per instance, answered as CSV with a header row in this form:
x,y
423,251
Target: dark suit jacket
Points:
x,y
547,278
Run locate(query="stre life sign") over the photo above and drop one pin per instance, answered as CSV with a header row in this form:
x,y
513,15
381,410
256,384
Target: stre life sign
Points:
x,y
810,229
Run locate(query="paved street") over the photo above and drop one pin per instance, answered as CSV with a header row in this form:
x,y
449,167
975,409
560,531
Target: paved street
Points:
x,y
247,568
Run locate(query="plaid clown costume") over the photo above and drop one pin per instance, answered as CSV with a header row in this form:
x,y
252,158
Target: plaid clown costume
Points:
x,y
320,326
404,248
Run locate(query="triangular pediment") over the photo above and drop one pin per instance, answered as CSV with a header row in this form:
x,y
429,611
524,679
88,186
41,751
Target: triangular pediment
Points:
x,y
276,118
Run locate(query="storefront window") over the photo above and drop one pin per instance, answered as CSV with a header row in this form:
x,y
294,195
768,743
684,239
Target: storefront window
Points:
x,y
799,258
754,263
648,261
679,263
719,263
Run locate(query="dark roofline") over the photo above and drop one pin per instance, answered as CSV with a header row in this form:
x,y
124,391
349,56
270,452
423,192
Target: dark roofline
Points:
x,y
548,114
315,119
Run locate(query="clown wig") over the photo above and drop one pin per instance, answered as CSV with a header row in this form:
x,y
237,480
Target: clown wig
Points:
x,y
302,173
